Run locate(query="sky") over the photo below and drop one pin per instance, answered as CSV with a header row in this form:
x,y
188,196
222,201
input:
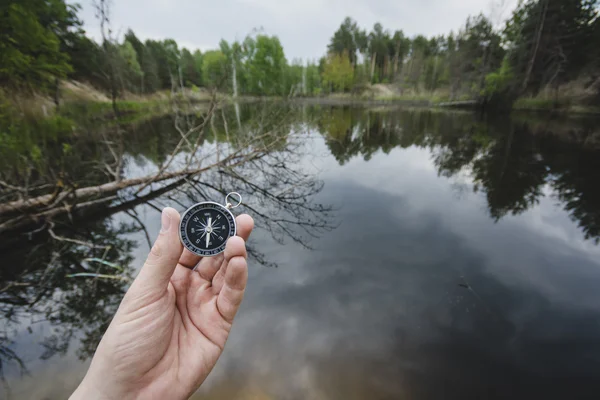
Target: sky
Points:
x,y
304,27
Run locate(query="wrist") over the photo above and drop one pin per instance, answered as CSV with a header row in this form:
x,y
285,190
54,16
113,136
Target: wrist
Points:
x,y
85,391
91,389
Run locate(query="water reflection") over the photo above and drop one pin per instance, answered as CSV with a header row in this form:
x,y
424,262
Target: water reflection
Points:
x,y
41,286
511,161
77,268
417,294
387,318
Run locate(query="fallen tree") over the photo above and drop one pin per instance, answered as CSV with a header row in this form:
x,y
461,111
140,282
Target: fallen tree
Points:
x,y
23,211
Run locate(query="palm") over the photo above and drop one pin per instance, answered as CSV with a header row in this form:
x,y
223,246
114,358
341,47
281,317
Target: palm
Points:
x,y
194,331
164,340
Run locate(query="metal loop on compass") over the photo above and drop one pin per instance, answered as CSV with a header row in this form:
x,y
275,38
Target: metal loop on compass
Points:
x,y
236,203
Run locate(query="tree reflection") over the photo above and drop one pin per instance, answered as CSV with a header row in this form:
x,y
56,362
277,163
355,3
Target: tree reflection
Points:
x,y
573,170
38,286
504,163
511,161
71,276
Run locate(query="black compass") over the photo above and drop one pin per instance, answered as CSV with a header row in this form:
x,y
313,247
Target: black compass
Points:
x,y
205,227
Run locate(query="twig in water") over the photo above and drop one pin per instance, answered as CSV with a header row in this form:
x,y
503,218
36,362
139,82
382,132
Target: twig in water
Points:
x,y
80,242
100,276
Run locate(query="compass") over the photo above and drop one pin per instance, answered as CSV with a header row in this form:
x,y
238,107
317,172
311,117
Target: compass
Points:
x,y
205,227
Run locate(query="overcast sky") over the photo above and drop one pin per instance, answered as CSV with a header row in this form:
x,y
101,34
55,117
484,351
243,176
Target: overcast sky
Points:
x,y
303,26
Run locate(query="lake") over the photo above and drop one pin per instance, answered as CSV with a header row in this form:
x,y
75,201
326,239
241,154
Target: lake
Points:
x,y
399,253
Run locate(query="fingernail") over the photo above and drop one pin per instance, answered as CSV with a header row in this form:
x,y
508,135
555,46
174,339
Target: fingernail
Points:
x,y
165,221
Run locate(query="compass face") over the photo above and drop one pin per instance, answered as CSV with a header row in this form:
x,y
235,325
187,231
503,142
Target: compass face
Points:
x,y
205,228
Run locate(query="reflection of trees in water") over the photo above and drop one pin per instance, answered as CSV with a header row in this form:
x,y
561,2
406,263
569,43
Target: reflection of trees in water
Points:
x,y
510,161
278,189
37,282
38,286
574,173
507,167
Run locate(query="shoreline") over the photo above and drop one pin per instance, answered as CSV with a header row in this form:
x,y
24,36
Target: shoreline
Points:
x,y
522,105
134,107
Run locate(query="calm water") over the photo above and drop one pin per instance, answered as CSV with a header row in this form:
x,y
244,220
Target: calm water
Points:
x,y
430,255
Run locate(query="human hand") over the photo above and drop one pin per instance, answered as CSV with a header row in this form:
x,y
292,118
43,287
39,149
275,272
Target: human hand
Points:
x,y
173,322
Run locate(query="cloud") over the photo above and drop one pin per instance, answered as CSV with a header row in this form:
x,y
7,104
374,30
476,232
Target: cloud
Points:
x,y
304,27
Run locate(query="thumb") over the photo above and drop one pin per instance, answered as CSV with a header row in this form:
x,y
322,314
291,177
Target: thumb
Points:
x,y
164,255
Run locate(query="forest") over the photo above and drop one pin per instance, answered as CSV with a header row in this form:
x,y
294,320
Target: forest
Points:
x,y
549,47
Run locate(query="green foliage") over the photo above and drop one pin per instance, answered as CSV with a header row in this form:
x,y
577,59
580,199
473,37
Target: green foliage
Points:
x,y
545,43
313,80
552,42
266,67
498,90
137,72
379,47
539,103
191,75
338,73
165,55
258,66
137,45
22,140
130,68
30,50
198,62
294,76
498,82
151,80
87,59
214,68
86,113
302,79
349,39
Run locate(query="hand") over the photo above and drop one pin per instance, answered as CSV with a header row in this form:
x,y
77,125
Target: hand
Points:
x,y
173,322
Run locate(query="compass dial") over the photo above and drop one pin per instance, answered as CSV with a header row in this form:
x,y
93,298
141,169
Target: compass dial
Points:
x,y
205,228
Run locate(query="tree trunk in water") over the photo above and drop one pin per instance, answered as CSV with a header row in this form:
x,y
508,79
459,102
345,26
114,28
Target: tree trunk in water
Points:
x,y
25,205
86,207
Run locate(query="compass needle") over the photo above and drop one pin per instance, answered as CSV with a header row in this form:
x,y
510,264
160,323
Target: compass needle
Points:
x,y
208,230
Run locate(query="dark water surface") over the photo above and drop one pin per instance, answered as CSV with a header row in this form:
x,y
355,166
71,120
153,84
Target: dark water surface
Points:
x,y
443,256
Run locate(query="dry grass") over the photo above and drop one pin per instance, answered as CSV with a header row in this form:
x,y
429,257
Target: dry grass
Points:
x,y
29,106
575,97
77,91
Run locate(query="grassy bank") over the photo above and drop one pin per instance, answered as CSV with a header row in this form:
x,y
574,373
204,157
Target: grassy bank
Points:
x,y
535,104
31,125
571,98
562,106
127,111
